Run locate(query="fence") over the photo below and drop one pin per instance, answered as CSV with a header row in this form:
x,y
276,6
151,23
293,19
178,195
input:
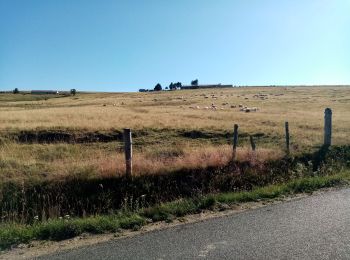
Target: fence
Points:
x,y
128,146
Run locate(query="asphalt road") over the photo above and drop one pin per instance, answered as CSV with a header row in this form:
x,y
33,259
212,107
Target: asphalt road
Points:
x,y
316,227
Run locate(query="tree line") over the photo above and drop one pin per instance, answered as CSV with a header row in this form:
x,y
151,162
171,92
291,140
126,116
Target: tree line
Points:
x,y
73,91
172,86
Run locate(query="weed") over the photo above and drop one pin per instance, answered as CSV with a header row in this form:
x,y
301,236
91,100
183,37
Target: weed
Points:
x,y
59,229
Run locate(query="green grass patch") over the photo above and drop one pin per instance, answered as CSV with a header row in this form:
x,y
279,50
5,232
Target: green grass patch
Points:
x,y
307,184
166,211
59,229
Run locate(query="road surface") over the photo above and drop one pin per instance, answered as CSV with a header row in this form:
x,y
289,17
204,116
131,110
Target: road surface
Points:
x,y
316,227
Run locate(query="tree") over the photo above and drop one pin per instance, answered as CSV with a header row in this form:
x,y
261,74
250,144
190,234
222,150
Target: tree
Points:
x,y
175,86
73,91
15,91
194,82
158,87
178,85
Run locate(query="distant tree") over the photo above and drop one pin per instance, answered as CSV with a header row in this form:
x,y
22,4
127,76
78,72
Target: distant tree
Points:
x,y
158,87
73,91
166,88
178,85
15,91
194,82
174,86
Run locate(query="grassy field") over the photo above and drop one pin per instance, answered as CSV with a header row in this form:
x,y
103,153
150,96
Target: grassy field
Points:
x,y
302,106
172,130
63,155
175,129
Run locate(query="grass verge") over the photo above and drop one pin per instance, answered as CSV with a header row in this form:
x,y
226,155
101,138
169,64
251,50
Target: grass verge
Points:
x,y
64,228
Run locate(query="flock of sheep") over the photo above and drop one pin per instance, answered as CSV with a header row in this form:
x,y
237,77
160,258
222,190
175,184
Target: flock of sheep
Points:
x,y
224,106
242,108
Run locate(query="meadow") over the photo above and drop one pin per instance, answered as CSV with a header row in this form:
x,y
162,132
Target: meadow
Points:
x,y
63,155
302,106
50,137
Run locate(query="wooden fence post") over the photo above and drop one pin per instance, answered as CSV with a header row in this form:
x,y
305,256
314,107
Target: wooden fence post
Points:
x,y
287,137
252,142
327,127
235,141
128,152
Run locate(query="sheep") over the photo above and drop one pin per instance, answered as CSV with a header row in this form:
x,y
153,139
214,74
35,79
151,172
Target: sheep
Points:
x,y
213,107
249,109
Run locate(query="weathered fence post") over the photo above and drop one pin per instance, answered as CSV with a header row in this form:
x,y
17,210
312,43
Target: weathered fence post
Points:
x,y
235,141
287,137
252,142
327,127
128,152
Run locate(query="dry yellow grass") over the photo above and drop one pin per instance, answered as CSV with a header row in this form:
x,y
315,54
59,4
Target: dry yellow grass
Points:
x,y
303,107
58,161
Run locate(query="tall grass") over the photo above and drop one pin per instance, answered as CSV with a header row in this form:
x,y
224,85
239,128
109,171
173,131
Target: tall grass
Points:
x,y
67,227
28,162
79,195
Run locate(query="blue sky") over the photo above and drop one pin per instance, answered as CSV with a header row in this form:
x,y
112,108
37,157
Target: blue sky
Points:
x,y
105,45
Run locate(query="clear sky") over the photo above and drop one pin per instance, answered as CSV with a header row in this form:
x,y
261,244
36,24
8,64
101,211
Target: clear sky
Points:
x,y
117,45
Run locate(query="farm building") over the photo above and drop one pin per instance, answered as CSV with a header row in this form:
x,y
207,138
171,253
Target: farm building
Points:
x,y
206,86
44,92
